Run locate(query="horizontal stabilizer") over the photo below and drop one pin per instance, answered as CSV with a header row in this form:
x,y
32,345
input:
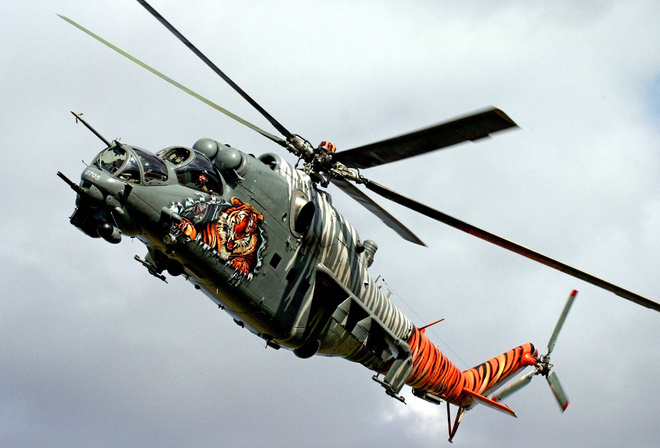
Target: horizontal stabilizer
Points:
x,y
490,403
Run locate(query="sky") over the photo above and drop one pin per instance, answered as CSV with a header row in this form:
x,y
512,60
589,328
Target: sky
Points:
x,y
95,352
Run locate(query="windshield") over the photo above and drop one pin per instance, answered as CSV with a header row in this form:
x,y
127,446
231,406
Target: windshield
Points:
x,y
111,159
154,168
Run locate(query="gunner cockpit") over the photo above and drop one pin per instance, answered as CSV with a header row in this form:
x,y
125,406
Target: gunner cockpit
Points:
x,y
131,164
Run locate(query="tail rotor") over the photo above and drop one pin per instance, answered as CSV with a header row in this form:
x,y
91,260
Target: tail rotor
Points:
x,y
558,391
515,386
543,366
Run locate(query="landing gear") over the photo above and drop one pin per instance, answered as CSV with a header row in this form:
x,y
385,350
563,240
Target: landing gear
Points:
x,y
156,262
153,270
388,389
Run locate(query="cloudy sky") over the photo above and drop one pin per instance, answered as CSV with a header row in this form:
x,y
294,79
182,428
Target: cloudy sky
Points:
x,y
95,352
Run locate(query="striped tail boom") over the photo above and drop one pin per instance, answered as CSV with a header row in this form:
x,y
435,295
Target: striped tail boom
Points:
x,y
436,375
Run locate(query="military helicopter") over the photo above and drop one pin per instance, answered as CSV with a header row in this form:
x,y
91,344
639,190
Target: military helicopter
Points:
x,y
263,241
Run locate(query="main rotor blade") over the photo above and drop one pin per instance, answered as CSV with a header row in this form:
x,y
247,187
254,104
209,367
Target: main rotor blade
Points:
x,y
268,135
215,68
472,127
514,387
506,244
558,391
560,322
377,210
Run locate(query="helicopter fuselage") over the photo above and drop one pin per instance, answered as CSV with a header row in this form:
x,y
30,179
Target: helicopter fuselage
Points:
x,y
257,236
264,242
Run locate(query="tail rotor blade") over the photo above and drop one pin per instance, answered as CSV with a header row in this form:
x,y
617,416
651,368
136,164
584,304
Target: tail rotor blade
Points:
x,y
560,322
514,387
558,391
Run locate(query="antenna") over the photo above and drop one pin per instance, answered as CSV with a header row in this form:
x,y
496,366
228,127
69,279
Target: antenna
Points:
x,y
88,126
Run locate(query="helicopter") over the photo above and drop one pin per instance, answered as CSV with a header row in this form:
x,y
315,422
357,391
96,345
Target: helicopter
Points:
x,y
263,241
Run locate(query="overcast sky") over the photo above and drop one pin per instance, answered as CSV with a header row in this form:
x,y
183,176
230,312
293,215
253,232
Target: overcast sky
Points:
x,y
95,352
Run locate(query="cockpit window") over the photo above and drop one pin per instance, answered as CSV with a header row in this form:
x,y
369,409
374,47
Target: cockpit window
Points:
x,y
125,164
199,174
131,171
111,159
154,168
176,155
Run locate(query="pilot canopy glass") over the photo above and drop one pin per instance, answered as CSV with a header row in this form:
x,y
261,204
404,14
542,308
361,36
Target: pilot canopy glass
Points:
x,y
193,169
111,160
129,164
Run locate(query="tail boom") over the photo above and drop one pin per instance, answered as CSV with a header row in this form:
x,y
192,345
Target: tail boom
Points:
x,y
435,374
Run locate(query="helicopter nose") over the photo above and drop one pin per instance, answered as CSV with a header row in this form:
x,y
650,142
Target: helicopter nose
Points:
x,y
100,206
93,193
87,191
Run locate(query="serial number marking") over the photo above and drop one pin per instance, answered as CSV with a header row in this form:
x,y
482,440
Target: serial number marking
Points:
x,y
93,175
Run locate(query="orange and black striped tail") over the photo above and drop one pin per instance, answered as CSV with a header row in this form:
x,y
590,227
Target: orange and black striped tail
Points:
x,y
485,378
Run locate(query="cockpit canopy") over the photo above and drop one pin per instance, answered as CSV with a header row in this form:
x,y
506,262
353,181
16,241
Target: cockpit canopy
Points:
x,y
130,163
193,169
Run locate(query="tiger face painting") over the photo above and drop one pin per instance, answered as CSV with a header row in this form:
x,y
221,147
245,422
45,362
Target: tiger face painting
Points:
x,y
231,231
